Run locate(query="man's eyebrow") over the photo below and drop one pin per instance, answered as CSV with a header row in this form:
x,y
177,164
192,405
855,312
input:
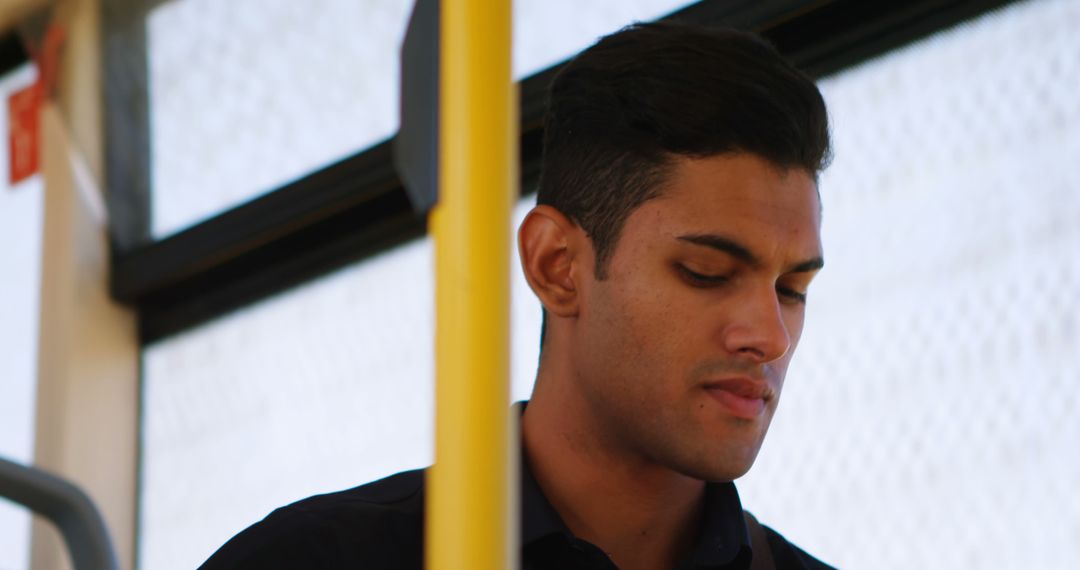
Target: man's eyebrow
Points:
x,y
743,253
724,244
807,266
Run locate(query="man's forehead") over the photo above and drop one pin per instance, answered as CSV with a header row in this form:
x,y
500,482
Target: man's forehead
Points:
x,y
739,180
745,217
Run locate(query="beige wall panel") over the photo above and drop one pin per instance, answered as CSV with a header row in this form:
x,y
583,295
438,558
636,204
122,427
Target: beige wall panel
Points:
x,y
88,356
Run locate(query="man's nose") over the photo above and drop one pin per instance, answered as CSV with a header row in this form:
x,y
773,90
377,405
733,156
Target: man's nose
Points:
x,y
756,329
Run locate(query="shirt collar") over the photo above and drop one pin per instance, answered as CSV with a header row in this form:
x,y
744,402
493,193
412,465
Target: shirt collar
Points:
x,y
724,535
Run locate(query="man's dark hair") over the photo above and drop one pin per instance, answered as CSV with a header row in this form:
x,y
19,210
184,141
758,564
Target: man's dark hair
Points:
x,y
623,109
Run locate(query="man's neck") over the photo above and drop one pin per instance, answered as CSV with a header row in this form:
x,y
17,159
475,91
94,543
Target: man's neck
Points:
x,y
641,514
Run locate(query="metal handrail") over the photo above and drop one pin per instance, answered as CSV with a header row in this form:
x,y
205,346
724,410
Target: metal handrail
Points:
x,y
67,507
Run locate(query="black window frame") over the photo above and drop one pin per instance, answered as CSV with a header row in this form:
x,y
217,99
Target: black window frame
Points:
x,y
12,53
356,207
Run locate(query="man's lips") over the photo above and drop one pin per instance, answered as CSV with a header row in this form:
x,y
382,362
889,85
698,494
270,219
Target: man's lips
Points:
x,y
742,397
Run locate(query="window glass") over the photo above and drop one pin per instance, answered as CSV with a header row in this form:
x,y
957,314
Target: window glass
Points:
x,y
20,270
549,31
931,417
248,95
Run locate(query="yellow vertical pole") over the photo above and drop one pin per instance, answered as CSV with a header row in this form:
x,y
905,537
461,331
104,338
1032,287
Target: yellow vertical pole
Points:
x,y
469,525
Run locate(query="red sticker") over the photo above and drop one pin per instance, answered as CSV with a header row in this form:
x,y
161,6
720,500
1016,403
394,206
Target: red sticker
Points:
x,y
23,133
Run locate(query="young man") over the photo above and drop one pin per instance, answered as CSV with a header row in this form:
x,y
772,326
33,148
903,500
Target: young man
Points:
x,y
675,236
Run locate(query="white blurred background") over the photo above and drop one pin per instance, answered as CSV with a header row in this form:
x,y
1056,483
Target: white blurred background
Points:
x,y
931,418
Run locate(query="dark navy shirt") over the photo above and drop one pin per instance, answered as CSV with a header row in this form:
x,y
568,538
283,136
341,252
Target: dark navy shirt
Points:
x,y
380,526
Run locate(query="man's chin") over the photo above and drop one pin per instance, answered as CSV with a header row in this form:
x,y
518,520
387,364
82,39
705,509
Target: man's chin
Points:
x,y
721,465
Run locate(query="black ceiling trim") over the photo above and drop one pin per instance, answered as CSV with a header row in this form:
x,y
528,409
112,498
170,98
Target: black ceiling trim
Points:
x,y
844,33
354,183
314,250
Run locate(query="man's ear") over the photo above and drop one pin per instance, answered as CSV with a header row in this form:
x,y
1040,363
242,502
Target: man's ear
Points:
x,y
550,246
